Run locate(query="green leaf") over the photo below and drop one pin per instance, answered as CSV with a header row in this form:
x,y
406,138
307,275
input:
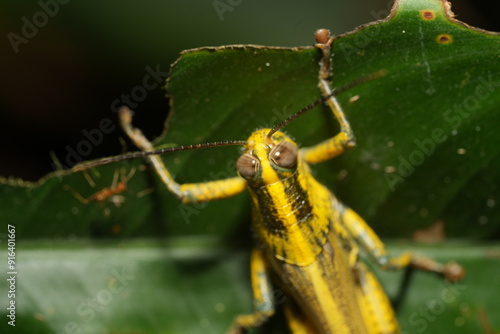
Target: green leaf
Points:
x,y
426,152
192,285
426,134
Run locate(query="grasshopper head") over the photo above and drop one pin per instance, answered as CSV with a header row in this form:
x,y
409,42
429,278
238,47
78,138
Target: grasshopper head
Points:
x,y
267,159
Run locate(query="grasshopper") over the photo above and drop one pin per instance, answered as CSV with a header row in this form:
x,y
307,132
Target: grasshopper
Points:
x,y
307,241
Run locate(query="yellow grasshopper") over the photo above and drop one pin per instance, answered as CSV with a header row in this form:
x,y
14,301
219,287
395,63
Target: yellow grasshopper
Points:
x,y
307,241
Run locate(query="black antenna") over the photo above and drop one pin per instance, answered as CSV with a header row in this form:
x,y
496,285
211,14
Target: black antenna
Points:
x,y
90,164
134,155
335,92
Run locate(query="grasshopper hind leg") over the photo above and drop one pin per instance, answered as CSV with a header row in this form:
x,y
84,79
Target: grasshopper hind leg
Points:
x,y
376,307
371,243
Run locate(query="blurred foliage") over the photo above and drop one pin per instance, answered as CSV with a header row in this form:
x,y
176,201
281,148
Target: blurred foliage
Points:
x,y
426,153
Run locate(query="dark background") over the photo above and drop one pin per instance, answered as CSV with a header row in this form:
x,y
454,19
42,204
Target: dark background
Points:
x,y
65,78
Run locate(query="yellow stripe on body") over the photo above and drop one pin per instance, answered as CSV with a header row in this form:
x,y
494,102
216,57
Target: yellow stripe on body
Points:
x,y
331,309
284,229
325,291
294,220
276,216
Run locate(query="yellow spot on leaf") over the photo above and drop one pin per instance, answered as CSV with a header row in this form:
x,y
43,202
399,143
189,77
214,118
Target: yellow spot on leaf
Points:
x,y
444,38
427,14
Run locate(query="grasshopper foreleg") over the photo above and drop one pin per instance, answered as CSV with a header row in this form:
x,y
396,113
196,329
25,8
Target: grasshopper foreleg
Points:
x,y
188,192
345,139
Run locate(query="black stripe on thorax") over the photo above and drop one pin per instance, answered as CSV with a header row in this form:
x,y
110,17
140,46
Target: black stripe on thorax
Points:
x,y
296,196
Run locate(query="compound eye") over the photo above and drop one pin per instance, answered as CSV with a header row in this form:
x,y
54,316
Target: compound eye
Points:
x,y
284,155
247,166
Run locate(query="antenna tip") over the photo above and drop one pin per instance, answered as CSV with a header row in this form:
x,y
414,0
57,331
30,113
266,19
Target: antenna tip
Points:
x,y
322,36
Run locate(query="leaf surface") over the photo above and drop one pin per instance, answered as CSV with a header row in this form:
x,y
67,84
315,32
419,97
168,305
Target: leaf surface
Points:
x,y
427,151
